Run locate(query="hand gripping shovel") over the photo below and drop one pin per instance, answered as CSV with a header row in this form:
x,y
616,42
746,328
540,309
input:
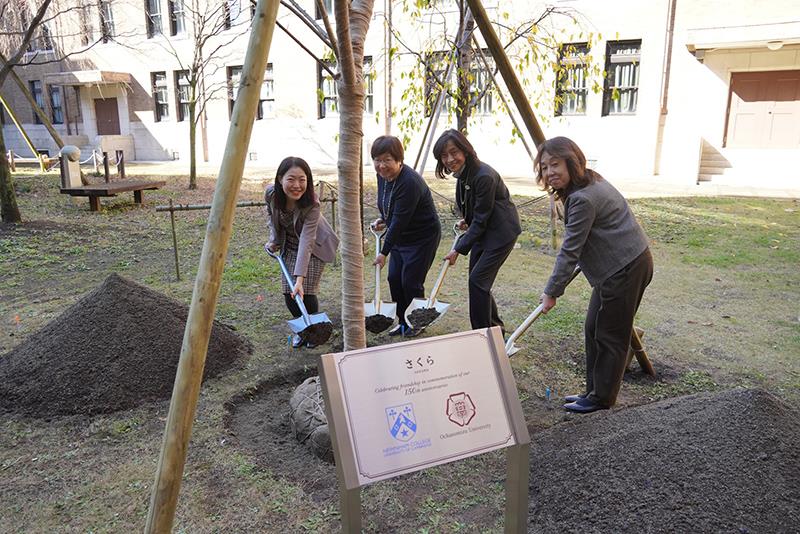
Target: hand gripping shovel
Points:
x,y
378,316
315,329
512,349
423,312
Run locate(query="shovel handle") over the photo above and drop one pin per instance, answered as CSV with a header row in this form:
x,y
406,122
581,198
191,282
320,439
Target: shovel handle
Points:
x,y
438,285
297,298
378,237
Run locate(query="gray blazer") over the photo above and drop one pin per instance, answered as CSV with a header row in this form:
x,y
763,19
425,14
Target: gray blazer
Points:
x,y
602,236
316,235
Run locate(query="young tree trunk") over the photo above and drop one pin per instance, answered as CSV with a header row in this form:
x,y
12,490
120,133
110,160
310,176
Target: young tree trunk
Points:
x,y
8,198
192,147
352,23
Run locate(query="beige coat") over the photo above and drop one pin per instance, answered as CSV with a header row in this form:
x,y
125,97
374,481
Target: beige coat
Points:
x,y
316,235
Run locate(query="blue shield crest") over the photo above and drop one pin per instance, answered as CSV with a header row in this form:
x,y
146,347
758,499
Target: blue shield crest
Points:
x,y
401,420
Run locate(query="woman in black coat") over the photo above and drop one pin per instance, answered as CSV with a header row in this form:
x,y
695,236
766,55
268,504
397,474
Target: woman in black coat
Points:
x,y
412,227
489,217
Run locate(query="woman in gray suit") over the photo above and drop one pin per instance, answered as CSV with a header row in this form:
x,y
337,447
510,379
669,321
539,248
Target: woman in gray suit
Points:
x,y
604,239
490,219
297,228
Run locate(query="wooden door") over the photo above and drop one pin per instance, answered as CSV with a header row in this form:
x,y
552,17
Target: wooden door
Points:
x,y
764,110
107,116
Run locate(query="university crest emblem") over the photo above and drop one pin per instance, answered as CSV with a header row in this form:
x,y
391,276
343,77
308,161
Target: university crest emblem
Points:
x,y
402,424
460,408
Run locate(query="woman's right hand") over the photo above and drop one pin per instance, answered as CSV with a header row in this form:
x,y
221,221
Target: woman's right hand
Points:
x,y
272,247
378,225
462,225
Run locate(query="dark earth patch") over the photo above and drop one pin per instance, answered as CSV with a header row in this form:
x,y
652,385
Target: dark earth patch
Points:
x,y
422,317
114,349
377,323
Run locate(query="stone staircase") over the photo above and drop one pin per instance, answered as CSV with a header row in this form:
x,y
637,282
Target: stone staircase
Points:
x,y
771,167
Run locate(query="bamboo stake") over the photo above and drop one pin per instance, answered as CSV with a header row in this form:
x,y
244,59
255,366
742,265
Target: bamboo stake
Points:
x,y
189,375
18,124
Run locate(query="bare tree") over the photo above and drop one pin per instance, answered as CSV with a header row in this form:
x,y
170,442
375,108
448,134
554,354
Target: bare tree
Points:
x,y
352,23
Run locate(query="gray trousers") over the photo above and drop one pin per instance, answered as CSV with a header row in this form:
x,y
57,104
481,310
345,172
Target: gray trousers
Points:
x,y
608,327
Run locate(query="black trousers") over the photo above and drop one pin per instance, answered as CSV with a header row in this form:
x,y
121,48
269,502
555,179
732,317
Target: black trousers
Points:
x,y
408,267
609,325
309,301
483,268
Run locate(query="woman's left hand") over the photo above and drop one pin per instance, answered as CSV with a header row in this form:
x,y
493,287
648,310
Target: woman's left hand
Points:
x,y
298,287
548,302
380,260
452,256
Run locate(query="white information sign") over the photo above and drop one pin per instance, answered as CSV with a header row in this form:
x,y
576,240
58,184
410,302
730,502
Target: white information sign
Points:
x,y
422,403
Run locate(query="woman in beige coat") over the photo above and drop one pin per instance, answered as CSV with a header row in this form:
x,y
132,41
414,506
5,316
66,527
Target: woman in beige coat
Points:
x,y
299,231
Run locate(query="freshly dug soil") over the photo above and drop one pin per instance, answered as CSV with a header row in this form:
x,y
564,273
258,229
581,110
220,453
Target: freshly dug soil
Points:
x,y
116,348
318,333
711,462
377,323
422,317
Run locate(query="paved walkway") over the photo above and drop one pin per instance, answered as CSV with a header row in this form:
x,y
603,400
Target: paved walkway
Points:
x,y
525,186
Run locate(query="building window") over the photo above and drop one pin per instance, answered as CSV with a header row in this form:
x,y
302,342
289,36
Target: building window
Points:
x,y
328,7
232,9
621,86
182,94
571,76
177,17
152,10
481,84
326,90
266,101
35,87
435,69
160,101
369,79
56,104
106,21
234,77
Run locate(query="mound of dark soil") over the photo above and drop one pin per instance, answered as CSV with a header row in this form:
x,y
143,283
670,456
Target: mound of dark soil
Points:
x,y
422,317
377,323
114,349
724,462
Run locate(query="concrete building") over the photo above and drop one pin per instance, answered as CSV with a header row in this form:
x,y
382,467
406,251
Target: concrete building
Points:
x,y
707,90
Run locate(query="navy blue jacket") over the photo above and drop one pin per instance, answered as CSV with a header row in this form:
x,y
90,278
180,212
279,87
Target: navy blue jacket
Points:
x,y
407,208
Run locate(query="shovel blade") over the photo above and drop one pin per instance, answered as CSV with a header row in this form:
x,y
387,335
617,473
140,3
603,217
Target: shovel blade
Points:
x,y
512,349
299,324
388,309
422,304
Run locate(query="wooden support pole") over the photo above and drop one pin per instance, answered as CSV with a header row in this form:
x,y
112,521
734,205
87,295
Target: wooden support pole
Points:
x,y
183,404
18,124
105,167
174,241
506,70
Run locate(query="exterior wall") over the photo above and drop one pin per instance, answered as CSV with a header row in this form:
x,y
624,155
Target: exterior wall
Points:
x,y
622,147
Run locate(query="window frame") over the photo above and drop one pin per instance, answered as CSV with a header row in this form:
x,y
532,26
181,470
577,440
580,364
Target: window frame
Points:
x,y
57,109
325,80
233,85
177,17
160,108
107,29
154,18
37,92
181,103
267,94
572,58
615,58
369,85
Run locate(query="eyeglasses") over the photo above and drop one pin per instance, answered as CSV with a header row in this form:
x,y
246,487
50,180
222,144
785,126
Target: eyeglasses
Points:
x,y
384,161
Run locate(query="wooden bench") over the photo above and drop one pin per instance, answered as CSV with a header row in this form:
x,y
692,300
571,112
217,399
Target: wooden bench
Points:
x,y
111,189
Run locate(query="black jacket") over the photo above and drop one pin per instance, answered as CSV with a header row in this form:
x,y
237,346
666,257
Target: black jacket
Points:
x,y
486,205
407,208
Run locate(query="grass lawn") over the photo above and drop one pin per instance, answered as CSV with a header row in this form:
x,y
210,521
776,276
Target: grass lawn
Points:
x,y
722,311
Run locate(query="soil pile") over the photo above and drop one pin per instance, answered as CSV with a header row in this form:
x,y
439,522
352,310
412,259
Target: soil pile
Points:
x,y
114,349
422,317
724,462
377,323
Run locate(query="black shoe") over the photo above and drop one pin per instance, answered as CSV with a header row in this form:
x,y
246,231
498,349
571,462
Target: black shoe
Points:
x,y
412,332
310,345
398,329
297,341
584,406
573,398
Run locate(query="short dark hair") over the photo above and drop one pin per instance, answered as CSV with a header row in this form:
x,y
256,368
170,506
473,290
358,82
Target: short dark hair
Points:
x,y
280,197
566,149
461,142
387,144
